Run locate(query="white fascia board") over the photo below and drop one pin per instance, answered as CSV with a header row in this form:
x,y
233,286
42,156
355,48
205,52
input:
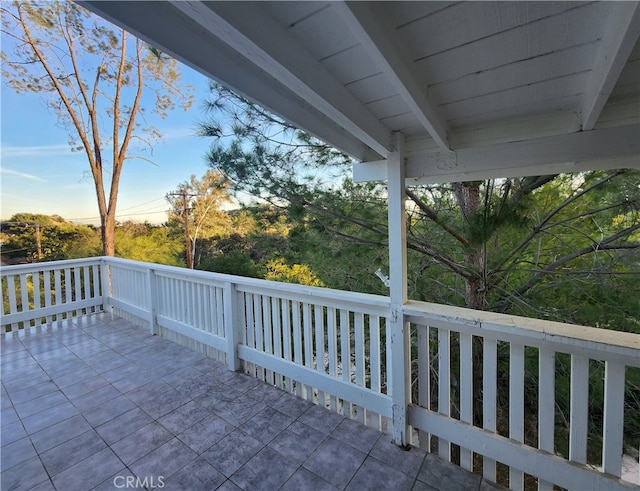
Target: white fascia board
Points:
x,y
161,25
367,23
623,31
253,34
607,148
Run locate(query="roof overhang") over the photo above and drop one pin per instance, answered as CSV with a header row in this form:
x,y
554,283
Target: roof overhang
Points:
x,y
478,89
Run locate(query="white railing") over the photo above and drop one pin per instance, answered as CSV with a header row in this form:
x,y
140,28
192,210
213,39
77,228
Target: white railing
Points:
x,y
476,402
41,293
473,402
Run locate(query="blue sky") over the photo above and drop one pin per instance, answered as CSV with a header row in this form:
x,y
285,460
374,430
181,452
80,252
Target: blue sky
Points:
x,y
39,173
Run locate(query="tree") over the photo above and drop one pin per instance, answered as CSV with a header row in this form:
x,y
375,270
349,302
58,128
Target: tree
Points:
x,y
96,77
31,237
196,205
502,245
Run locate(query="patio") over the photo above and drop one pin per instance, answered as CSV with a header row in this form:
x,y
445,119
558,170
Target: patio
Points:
x,y
94,402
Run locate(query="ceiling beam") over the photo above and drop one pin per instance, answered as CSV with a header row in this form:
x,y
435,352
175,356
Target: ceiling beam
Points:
x,y
367,22
259,39
622,33
161,25
605,148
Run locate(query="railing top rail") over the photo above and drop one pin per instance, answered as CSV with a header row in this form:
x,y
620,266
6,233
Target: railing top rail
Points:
x,y
254,284
48,265
603,340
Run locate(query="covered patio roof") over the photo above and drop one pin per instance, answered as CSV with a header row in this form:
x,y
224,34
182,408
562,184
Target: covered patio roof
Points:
x,y
478,89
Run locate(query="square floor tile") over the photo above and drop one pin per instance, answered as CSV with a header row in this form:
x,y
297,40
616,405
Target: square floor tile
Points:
x,y
267,470
335,461
232,452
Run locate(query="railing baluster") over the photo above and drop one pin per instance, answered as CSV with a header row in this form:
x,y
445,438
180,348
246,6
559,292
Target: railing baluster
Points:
x,y
489,393
268,333
24,297
13,302
297,342
332,343
579,409
444,386
546,406
358,330
424,380
35,278
516,406
276,316
345,354
47,292
77,290
308,344
374,359
319,338
614,377
286,337
466,393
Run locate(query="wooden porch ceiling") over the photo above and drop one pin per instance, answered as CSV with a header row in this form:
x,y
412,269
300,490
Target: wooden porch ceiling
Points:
x,y
479,89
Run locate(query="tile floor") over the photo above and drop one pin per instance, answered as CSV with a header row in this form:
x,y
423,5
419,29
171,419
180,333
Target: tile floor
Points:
x,y
98,403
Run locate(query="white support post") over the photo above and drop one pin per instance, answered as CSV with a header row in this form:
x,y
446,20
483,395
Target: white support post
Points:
x,y
232,326
152,299
399,328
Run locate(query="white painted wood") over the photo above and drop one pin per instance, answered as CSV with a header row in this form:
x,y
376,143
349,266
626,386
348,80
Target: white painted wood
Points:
x,y
527,157
516,407
358,328
424,381
374,362
489,397
297,341
546,407
24,294
286,337
622,33
399,388
376,35
64,310
572,152
345,354
307,336
466,393
58,287
319,354
48,293
268,334
153,301
13,305
265,44
444,387
233,331
332,351
361,396
35,281
195,334
574,339
614,382
276,313
579,415
547,466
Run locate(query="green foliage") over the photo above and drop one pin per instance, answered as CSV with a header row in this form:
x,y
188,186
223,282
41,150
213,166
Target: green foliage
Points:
x,y
278,270
145,242
59,239
234,261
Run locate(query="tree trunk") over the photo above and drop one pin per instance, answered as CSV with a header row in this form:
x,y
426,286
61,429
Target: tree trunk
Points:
x,y
468,197
108,234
